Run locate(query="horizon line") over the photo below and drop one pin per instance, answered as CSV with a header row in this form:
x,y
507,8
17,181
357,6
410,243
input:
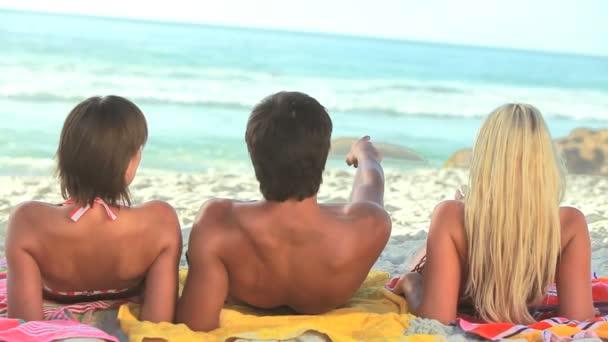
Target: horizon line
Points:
x,y
303,32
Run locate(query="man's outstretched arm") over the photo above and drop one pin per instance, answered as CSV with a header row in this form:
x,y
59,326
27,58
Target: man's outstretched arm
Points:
x,y
369,179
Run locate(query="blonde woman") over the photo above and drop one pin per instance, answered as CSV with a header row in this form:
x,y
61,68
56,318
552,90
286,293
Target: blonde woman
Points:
x,y
500,246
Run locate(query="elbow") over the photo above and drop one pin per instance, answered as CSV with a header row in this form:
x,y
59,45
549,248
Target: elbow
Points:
x,y
445,318
580,316
157,317
385,225
194,324
199,326
375,177
25,317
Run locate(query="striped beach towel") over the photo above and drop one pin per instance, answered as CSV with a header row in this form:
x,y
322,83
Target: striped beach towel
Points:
x,y
13,330
549,327
82,312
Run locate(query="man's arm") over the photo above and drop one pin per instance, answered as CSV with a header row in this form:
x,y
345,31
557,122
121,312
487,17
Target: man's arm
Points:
x,y
206,287
369,180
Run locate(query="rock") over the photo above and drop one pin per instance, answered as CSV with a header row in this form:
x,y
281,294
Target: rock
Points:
x,y
585,152
341,146
460,159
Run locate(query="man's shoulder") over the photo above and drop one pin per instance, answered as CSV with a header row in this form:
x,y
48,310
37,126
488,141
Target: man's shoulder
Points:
x,y
215,215
368,213
367,222
214,211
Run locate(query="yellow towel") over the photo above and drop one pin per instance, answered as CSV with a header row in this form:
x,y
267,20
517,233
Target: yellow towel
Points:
x,y
373,314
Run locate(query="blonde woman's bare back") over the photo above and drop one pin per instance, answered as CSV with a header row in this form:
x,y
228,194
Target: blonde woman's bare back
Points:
x,y
439,290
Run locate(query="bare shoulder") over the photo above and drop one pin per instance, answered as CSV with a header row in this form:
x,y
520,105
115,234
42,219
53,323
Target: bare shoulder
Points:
x,y
26,209
159,208
23,219
451,209
212,213
368,211
212,220
374,221
572,222
163,219
571,216
448,217
26,213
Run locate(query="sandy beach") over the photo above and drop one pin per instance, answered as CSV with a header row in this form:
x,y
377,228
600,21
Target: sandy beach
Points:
x,y
410,199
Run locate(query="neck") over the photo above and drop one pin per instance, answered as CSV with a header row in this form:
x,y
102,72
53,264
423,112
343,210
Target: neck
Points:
x,y
308,204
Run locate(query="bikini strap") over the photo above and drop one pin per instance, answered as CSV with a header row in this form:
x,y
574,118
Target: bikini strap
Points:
x,y
77,213
419,268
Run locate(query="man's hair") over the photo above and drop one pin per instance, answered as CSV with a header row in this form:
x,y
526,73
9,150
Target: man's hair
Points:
x,y
288,137
100,136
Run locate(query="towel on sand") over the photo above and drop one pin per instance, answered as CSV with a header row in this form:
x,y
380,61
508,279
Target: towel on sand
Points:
x,y
14,330
552,328
373,314
58,311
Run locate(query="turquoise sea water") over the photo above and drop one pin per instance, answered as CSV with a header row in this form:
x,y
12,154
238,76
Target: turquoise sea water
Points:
x,y
197,84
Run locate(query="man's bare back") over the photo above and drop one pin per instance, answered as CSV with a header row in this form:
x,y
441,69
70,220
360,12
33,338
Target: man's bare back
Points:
x,y
311,258
295,253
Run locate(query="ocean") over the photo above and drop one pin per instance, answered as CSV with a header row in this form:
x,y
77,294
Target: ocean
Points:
x,y
197,84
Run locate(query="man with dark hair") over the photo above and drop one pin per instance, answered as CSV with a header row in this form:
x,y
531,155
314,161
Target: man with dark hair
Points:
x,y
288,249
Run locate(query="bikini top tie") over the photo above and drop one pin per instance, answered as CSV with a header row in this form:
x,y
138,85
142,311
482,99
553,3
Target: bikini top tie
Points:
x,y
78,212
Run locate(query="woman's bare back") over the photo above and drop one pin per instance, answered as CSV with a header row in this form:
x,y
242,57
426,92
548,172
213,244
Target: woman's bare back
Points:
x,y
441,291
55,255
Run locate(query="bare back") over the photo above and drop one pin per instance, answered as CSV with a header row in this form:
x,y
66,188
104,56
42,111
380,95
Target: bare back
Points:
x,y
311,261
445,271
94,253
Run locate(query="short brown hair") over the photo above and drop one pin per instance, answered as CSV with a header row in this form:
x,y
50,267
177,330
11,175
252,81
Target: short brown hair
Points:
x,y
100,136
288,137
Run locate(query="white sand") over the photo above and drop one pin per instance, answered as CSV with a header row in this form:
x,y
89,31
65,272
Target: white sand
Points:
x,y
410,199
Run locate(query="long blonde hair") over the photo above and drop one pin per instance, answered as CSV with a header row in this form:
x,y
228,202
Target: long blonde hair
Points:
x,y
516,184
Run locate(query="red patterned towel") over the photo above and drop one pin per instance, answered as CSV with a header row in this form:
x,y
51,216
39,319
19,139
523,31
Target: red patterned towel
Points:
x,y
549,327
13,330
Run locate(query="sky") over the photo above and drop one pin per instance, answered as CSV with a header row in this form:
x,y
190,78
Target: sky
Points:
x,y
572,26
